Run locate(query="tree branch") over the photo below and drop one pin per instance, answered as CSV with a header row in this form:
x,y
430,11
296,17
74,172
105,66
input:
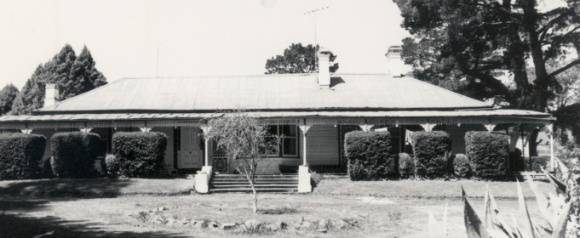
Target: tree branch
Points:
x,y
564,68
544,29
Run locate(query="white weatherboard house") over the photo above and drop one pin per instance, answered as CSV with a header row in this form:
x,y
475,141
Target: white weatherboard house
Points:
x,y
310,112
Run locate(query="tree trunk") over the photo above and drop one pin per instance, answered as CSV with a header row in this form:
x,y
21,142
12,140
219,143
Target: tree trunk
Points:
x,y
516,54
542,81
255,202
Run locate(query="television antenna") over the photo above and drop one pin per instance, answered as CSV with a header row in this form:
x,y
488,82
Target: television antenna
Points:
x,y
314,12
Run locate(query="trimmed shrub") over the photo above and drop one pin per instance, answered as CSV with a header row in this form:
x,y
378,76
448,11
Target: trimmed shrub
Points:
x,y
112,166
74,154
370,155
461,166
139,154
431,152
406,165
488,153
21,155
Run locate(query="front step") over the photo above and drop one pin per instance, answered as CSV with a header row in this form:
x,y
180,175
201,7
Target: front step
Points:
x,y
222,183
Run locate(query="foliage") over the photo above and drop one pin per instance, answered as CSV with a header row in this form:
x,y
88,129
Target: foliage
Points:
x,y
461,166
297,59
406,165
488,153
555,207
7,96
568,91
74,154
112,166
431,152
20,155
370,155
72,75
243,140
568,118
138,154
537,163
83,76
472,46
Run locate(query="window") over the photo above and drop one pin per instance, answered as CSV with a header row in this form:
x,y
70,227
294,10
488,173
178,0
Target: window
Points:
x,y
289,140
285,140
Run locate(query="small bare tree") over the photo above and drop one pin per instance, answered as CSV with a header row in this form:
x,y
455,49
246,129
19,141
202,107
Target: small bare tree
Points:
x,y
243,141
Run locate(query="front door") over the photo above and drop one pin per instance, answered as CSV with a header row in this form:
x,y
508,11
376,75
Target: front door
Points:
x,y
190,154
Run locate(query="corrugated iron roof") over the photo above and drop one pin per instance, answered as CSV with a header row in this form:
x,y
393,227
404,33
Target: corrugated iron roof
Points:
x,y
265,92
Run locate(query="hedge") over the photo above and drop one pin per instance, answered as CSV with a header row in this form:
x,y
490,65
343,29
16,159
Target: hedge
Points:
x,y
74,154
370,155
20,155
431,152
139,154
488,153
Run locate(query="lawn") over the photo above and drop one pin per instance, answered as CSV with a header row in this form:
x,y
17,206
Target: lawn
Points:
x,y
379,209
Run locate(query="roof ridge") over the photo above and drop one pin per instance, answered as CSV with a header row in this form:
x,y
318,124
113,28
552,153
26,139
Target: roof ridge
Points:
x,y
286,75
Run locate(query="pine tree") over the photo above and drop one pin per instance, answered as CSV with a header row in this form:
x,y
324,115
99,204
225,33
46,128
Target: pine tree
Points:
x,y
7,96
72,75
32,94
83,76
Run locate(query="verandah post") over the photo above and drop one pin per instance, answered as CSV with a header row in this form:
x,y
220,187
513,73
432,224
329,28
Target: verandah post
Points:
x,y
205,129
304,185
550,128
304,129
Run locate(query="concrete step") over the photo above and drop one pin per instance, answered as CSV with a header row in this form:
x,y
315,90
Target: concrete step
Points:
x,y
256,179
256,186
248,190
256,182
257,176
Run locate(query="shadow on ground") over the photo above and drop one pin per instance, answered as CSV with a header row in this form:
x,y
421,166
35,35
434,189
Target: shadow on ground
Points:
x,y
14,223
77,188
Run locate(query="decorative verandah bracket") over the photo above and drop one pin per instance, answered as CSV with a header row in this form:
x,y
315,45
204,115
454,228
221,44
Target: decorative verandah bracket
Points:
x,y
86,129
366,127
304,176
489,127
428,127
26,131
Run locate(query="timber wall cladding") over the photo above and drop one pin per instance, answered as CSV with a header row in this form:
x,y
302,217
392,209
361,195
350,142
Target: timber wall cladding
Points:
x,y
323,145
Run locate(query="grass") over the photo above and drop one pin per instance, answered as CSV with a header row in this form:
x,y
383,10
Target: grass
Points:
x,y
381,208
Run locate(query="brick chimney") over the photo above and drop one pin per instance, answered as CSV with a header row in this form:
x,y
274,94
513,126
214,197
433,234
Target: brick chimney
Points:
x,y
324,68
395,65
50,94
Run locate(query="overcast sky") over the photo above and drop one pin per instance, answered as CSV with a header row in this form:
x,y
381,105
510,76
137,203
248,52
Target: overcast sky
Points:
x,y
191,37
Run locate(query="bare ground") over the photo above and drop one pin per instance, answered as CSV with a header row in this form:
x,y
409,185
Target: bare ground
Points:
x,y
382,208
